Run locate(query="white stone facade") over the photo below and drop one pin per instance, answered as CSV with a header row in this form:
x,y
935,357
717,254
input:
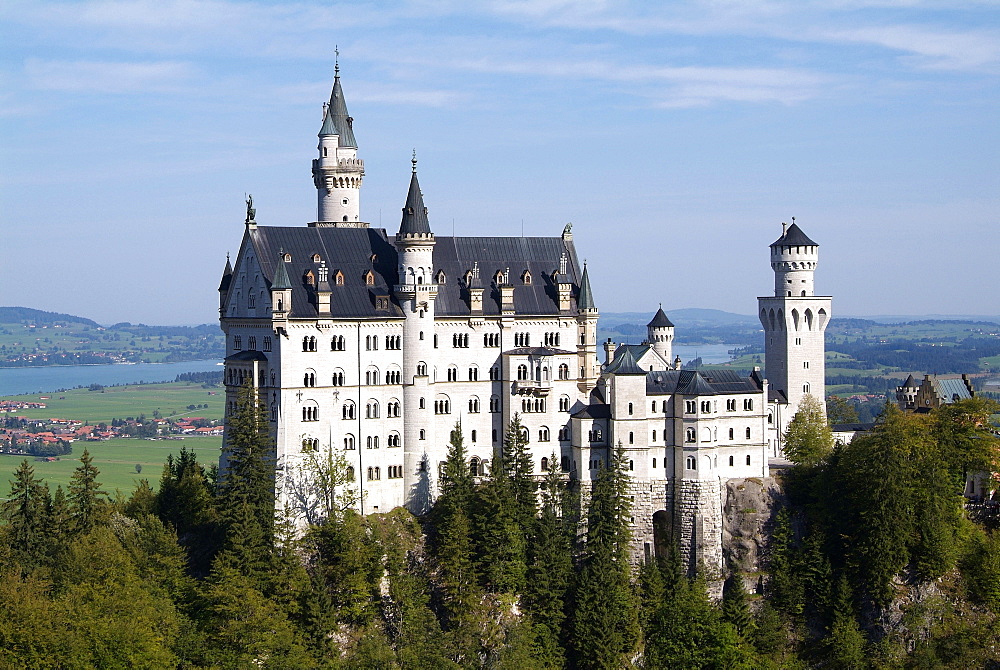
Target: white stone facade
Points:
x,y
375,346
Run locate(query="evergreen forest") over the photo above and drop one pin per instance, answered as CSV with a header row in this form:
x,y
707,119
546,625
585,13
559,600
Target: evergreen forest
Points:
x,y
873,561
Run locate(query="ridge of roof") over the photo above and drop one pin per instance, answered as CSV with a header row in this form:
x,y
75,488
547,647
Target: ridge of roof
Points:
x,y
794,237
625,364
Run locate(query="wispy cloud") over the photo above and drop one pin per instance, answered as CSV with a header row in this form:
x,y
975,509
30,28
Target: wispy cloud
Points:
x,y
107,77
932,48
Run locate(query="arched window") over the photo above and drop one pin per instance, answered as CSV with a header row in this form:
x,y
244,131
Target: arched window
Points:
x,y
545,464
631,465
543,434
748,432
630,409
522,372
730,461
348,410
423,434
631,438
350,473
474,466
732,435
472,436
748,459
563,371
690,463
689,435
369,278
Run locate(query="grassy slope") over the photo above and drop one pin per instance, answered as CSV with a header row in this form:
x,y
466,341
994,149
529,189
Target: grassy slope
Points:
x,y
117,458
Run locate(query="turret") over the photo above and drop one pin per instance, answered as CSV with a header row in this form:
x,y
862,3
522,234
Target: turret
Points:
x,y
281,291
227,279
906,394
793,258
417,293
660,335
338,171
586,319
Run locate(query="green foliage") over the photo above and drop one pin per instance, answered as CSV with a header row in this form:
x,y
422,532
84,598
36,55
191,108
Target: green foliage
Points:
x,y
86,499
735,608
26,511
981,569
808,439
839,410
845,645
605,627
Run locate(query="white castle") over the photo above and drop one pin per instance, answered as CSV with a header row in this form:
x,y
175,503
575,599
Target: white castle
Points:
x,y
375,345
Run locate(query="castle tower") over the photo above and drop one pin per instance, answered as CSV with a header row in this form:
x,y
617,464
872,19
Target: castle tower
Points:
x,y
417,293
794,321
587,328
337,172
906,395
660,335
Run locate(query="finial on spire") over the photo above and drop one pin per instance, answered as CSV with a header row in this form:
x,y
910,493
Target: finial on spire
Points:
x,y
414,161
336,60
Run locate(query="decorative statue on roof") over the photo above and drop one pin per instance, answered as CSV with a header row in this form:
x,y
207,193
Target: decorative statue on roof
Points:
x,y
251,212
568,229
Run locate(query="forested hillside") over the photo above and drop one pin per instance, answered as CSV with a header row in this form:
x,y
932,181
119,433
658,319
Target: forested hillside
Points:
x,y
872,564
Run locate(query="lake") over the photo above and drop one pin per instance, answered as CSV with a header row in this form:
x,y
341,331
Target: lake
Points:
x,y
17,381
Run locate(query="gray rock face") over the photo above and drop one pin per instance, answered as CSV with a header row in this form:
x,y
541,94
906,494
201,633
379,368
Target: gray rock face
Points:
x,y
749,508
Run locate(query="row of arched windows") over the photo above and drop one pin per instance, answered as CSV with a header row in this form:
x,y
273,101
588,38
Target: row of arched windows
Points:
x,y
309,343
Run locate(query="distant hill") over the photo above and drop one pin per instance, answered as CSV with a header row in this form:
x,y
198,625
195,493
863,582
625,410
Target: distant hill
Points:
x,y
37,316
688,317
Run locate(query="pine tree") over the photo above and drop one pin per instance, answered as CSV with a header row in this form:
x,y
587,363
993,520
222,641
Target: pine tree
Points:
x,y
845,646
605,625
87,501
247,487
550,571
26,512
518,467
735,609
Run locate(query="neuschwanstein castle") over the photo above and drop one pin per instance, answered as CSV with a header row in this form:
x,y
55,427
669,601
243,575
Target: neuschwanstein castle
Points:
x,y
376,343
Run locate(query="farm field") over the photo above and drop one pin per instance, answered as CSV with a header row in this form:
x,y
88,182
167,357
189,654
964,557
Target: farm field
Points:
x,y
118,402
116,459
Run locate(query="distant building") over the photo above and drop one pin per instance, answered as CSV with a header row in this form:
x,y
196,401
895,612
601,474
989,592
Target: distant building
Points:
x,y
376,344
932,392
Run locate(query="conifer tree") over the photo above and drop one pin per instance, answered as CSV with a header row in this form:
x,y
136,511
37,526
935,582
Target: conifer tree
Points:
x,y
86,499
550,571
247,487
26,511
845,645
518,468
735,609
605,625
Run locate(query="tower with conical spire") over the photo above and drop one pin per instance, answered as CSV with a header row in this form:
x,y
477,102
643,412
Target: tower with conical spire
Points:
x,y
794,321
338,171
660,335
417,292
586,347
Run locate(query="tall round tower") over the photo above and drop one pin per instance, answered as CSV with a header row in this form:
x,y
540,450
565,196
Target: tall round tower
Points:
x,y
794,322
338,171
660,335
417,293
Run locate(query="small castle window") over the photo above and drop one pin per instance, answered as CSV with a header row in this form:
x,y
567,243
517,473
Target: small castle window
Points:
x,y
526,277
369,278
338,278
316,258
441,277
309,278
288,258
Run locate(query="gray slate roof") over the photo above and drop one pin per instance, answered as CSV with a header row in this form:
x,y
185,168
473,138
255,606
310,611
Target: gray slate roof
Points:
x,y
794,237
337,121
695,382
414,212
586,299
624,363
660,320
349,251
951,390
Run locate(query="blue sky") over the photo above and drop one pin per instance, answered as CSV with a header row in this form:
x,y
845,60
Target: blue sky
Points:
x,y
676,137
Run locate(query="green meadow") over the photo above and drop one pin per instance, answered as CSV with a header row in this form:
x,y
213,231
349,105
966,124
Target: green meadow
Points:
x,y
116,459
118,402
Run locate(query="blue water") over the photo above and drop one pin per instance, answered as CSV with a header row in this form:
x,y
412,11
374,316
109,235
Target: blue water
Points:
x,y
710,353
15,381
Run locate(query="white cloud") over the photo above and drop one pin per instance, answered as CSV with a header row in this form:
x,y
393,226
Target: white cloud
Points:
x,y
942,49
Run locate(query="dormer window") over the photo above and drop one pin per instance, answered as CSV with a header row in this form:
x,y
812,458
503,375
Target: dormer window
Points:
x,y
288,258
374,259
309,278
369,278
526,277
468,278
338,278
316,258
498,278
441,277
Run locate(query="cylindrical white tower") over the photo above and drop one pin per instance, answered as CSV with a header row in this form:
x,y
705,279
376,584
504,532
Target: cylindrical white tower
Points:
x,y
794,259
337,171
660,335
417,293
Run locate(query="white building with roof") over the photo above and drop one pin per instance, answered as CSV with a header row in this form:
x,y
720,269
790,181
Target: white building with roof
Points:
x,y
375,344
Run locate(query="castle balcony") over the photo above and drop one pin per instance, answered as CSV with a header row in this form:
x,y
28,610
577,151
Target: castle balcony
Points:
x,y
416,290
531,387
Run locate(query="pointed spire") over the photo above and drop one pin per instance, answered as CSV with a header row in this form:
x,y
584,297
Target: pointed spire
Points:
x,y
660,320
337,121
586,298
414,213
281,281
227,276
